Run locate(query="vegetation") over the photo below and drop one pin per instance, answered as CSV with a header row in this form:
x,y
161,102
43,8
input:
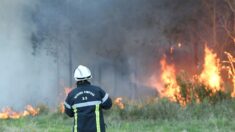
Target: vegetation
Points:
x,y
194,91
152,116
204,110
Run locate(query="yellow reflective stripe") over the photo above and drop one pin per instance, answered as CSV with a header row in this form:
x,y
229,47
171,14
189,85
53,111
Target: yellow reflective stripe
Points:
x,y
97,113
75,119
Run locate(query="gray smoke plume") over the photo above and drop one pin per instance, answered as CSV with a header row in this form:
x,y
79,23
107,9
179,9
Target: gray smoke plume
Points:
x,y
25,79
42,42
118,40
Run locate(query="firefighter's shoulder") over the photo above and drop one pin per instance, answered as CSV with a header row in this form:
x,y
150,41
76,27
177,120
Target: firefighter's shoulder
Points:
x,y
97,88
73,92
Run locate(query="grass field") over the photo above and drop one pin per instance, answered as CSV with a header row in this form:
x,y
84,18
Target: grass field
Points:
x,y
163,116
57,123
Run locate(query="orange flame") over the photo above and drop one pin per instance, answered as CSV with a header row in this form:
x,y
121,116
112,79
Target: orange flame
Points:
x,y
8,113
61,107
209,76
32,111
119,103
211,71
168,78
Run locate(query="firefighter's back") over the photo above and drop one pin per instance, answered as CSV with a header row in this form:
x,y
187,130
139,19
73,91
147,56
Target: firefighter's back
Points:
x,y
86,103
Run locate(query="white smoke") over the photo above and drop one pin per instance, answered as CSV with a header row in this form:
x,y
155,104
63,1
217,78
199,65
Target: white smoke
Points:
x,y
24,79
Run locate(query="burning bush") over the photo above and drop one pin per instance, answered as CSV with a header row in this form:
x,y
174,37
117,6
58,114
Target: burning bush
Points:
x,y
194,91
208,84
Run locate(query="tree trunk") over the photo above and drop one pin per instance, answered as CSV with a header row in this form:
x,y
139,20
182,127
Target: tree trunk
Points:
x,y
214,25
70,62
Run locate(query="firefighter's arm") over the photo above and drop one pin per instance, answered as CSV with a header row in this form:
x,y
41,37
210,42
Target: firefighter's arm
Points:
x,y
106,100
68,106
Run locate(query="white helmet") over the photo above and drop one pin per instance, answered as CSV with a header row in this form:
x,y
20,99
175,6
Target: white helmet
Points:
x,y
82,73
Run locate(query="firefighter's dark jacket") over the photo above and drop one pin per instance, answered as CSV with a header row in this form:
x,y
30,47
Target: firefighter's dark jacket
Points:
x,y
85,104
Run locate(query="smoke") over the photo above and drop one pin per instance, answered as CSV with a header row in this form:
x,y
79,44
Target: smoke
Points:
x,y
121,41
25,79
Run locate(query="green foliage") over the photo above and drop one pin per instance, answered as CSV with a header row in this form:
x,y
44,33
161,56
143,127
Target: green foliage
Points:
x,y
163,109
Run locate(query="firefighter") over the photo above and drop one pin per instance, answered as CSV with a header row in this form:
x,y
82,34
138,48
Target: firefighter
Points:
x,y
85,103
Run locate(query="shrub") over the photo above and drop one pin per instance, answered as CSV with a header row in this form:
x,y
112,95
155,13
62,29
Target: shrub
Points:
x,y
192,91
163,109
44,109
